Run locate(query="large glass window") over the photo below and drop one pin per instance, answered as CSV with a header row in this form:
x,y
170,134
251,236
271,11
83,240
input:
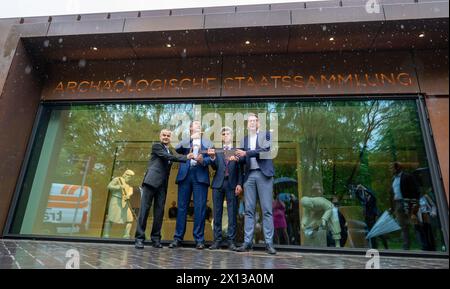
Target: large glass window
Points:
x,y
333,170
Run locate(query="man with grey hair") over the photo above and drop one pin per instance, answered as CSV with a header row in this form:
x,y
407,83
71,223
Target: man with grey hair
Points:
x,y
192,180
154,188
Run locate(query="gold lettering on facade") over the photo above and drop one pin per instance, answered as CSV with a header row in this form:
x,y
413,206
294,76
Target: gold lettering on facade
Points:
x,y
83,86
404,79
142,85
72,86
286,81
210,83
390,79
250,83
59,87
311,81
156,84
183,83
298,81
342,80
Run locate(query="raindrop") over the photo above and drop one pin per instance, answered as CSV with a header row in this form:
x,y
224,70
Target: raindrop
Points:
x,y
64,58
28,69
46,43
82,63
60,40
169,38
184,53
324,27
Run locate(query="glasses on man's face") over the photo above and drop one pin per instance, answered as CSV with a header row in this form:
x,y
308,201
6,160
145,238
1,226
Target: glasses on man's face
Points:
x,y
166,135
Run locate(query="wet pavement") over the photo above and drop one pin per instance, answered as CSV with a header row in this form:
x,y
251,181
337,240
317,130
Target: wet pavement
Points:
x,y
51,254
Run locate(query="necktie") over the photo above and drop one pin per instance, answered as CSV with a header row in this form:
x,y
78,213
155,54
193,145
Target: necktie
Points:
x,y
226,161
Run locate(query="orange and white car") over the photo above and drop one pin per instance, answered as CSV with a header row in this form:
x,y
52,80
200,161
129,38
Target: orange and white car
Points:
x,y
68,207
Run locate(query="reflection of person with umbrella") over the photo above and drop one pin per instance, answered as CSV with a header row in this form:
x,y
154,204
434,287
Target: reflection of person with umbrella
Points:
x,y
370,211
282,187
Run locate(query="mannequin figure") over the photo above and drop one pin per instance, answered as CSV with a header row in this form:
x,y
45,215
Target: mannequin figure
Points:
x,y
318,213
119,210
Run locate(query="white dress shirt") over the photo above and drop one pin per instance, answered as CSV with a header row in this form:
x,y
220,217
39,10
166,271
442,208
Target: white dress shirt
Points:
x,y
252,139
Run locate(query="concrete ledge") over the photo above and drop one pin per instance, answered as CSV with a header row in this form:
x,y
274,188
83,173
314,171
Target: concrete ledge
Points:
x,y
86,27
416,11
248,19
189,22
334,15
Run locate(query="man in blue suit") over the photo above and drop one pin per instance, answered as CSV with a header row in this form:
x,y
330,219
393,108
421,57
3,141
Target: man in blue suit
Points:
x,y
192,178
227,182
258,181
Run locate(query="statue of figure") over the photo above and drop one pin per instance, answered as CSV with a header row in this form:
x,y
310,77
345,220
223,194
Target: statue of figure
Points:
x,y
318,213
119,210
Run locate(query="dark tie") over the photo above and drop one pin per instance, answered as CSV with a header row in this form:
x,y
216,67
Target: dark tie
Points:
x,y
226,162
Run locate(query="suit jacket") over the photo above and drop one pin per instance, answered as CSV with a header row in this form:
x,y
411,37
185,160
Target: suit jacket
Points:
x,y
265,164
408,186
201,173
235,171
158,169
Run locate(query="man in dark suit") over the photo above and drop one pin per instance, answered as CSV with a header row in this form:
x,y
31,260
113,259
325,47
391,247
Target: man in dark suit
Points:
x,y
192,178
154,188
227,182
258,181
405,196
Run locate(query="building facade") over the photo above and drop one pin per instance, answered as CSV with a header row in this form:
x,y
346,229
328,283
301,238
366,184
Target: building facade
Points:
x,y
347,89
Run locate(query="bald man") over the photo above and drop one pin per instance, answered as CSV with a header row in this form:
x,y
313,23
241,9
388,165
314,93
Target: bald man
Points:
x,y
154,188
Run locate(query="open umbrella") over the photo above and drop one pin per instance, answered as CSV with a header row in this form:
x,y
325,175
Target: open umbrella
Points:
x,y
284,197
384,225
283,183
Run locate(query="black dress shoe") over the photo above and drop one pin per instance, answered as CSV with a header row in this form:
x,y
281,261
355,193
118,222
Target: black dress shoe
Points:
x,y
139,244
215,246
271,250
175,244
232,246
157,245
200,246
244,248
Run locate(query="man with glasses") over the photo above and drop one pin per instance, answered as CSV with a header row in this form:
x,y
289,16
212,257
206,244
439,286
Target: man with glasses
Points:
x,y
227,183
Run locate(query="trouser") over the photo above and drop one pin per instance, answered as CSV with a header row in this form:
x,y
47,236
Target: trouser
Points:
x,y
281,236
403,219
258,184
158,197
186,188
426,237
228,192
